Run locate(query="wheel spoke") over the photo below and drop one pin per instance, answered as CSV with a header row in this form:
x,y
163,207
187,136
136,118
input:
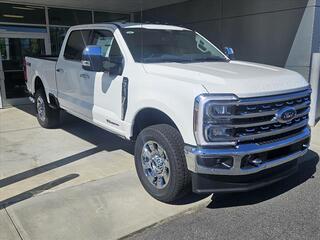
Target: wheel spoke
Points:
x,y
166,175
161,152
160,182
151,178
146,165
146,153
151,147
155,164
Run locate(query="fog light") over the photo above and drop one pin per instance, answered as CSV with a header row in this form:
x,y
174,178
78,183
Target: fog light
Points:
x,y
251,160
217,163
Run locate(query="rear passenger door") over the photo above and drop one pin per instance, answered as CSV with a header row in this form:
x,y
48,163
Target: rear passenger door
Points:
x,y
75,89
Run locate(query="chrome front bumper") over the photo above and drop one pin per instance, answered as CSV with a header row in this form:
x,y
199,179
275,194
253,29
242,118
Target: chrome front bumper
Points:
x,y
193,154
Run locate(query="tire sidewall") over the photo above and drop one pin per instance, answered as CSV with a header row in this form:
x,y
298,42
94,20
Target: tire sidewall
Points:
x,y
41,94
149,135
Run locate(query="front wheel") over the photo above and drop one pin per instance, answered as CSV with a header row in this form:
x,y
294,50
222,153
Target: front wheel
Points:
x,y
47,116
161,164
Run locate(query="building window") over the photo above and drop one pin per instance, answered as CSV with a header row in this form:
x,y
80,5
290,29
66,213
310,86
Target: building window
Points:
x,y
3,49
69,17
16,13
57,35
100,17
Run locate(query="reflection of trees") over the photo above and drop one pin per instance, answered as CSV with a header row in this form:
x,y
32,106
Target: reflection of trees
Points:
x,y
32,47
35,46
3,48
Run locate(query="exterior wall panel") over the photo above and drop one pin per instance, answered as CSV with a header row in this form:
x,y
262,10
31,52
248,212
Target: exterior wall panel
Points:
x,y
282,33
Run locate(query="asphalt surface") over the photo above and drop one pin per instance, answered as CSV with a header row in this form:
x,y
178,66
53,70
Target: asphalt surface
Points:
x,y
289,209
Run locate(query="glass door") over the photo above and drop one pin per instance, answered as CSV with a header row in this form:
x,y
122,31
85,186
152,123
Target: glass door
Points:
x,y
13,48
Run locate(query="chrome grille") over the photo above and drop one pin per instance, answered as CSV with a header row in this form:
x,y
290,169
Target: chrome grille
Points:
x,y
254,118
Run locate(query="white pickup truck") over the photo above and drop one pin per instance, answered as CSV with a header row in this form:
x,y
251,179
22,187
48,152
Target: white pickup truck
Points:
x,y
198,118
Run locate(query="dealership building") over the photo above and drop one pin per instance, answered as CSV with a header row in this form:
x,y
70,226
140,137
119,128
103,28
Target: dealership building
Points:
x,y
284,33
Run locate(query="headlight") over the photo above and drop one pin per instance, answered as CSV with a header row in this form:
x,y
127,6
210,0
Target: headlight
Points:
x,y
213,110
212,119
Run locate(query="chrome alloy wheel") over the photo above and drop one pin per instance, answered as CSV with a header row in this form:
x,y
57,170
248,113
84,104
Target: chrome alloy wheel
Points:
x,y
155,164
41,109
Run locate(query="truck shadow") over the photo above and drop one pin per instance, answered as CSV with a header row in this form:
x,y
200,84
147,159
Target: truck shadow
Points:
x,y
87,132
307,168
37,190
110,142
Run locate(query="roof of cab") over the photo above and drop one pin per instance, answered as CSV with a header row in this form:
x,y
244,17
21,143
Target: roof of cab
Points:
x,y
134,25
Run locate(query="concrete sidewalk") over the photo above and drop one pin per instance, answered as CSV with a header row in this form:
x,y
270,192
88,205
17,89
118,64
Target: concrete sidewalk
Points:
x,y
76,182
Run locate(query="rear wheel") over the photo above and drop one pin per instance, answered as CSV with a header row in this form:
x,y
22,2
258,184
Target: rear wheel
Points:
x,y
161,164
47,116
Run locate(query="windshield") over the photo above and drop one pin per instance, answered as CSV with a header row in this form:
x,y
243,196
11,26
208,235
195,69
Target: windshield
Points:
x,y
162,45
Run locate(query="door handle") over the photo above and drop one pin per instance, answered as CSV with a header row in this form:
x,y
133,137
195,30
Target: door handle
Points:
x,y
60,70
85,76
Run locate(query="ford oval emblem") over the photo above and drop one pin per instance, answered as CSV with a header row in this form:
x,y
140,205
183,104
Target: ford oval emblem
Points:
x,y
286,114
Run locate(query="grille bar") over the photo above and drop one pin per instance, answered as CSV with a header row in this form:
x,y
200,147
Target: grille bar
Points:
x,y
273,132
273,120
276,98
255,118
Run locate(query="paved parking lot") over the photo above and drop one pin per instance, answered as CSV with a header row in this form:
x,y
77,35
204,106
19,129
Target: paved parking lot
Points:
x,y
289,209
79,182
75,182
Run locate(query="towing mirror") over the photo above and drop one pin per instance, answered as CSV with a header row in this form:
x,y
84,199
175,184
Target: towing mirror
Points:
x,y
229,52
92,59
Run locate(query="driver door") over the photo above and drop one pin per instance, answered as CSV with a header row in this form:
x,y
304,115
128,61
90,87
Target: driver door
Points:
x,y
106,99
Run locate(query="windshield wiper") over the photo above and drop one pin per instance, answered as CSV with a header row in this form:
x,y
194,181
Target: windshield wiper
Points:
x,y
168,58
210,59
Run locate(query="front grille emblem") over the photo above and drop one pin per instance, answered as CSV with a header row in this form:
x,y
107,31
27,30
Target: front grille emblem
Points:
x,y
285,115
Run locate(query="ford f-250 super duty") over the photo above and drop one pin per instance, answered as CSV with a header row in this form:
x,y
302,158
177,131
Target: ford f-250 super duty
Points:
x,y
197,118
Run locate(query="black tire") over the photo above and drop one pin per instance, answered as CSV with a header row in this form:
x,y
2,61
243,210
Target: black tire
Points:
x,y
171,141
50,117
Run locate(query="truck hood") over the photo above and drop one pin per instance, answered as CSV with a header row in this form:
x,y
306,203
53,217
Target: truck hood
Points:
x,y
244,79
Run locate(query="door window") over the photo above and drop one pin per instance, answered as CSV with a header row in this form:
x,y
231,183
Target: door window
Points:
x,y
76,43
106,40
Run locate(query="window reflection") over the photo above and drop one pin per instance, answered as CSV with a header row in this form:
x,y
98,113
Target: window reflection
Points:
x,y
100,17
68,17
16,13
57,35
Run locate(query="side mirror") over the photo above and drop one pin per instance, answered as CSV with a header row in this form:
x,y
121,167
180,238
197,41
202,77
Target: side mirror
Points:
x,y
229,52
92,59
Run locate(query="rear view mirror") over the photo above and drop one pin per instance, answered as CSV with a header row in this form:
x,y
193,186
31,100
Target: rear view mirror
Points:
x,y
229,52
92,59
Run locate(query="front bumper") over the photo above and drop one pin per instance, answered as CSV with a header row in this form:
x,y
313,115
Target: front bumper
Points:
x,y
277,161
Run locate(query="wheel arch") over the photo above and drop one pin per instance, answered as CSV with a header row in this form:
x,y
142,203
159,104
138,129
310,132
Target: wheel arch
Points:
x,y
149,116
38,84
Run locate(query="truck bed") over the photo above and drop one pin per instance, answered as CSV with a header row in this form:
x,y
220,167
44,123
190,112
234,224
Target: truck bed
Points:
x,y
44,67
47,57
